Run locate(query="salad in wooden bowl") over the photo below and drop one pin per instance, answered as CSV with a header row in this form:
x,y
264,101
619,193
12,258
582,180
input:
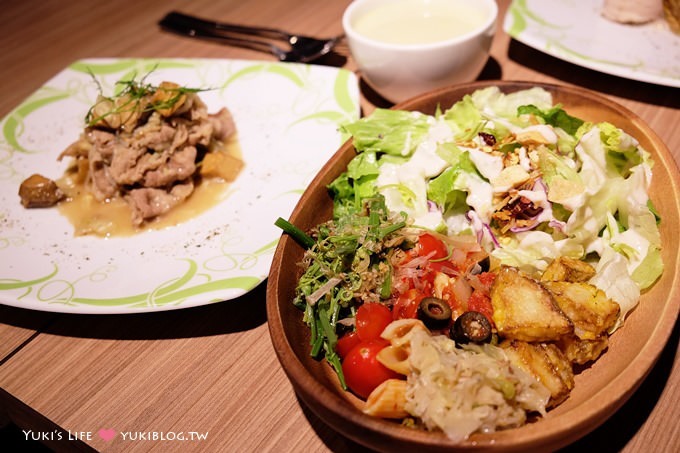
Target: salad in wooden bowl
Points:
x,y
489,265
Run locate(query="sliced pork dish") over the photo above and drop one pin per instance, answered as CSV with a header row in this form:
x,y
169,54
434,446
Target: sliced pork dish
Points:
x,y
149,146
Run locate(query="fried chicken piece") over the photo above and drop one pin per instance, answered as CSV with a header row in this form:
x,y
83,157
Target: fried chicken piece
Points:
x,y
582,351
525,310
546,363
565,269
590,310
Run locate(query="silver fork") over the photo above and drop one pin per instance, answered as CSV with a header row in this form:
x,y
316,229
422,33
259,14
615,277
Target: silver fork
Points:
x,y
302,49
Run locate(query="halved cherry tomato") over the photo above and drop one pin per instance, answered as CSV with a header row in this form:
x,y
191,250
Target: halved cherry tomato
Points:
x,y
346,343
430,245
363,372
427,244
406,305
371,320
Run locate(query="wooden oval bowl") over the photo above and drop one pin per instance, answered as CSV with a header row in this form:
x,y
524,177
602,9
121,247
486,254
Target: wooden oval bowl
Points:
x,y
599,390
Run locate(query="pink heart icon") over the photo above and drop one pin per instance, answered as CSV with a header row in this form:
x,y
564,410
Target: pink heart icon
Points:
x,y
107,434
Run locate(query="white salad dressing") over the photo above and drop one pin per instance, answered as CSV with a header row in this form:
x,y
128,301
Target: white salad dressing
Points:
x,y
524,160
393,180
488,165
539,198
634,241
425,163
480,197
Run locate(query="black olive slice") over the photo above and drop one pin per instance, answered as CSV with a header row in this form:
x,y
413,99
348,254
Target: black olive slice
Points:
x,y
471,327
485,264
434,312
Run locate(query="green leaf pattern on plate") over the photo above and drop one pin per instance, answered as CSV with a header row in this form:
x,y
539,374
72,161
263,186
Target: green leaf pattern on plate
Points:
x,y
13,126
218,266
520,12
543,28
285,71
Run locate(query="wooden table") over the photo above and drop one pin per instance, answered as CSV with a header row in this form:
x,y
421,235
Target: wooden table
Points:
x,y
212,370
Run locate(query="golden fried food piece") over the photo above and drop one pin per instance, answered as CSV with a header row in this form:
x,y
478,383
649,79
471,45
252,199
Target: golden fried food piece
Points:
x,y
582,351
565,269
525,310
590,310
546,363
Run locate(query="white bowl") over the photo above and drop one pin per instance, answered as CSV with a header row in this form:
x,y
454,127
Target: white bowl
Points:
x,y
401,70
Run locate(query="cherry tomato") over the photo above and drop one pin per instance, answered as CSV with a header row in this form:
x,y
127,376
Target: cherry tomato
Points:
x,y
407,304
346,343
427,244
371,320
363,372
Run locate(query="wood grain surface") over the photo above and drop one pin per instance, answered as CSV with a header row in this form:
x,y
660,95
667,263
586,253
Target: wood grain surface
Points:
x,y
212,371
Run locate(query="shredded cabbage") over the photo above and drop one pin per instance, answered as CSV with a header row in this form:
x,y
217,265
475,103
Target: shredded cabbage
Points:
x,y
474,389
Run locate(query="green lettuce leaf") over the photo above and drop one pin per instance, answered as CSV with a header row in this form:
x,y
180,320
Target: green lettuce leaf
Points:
x,y
555,116
395,132
622,149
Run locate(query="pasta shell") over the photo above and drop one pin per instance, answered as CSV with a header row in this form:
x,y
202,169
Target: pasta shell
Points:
x,y
398,332
395,358
388,400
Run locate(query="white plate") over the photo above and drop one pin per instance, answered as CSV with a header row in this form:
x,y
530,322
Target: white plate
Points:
x,y
576,31
287,117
